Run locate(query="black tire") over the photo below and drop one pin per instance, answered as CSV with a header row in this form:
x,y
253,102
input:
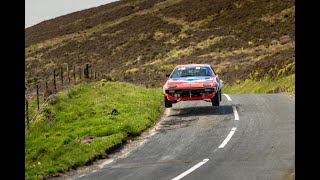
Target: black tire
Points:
x,y
167,103
216,99
220,94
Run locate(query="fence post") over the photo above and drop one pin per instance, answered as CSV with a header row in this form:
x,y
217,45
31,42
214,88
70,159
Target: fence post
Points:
x,y
27,112
80,72
61,75
68,73
74,74
84,72
54,80
38,96
95,75
87,71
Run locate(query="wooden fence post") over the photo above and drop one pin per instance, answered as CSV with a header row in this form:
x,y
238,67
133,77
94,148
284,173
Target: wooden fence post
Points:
x,y
27,112
61,75
87,71
38,96
80,72
54,80
74,74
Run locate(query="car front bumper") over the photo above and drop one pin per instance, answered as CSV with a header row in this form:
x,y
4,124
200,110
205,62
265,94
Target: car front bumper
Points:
x,y
190,94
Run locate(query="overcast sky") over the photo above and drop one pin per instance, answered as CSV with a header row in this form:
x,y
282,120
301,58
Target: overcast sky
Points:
x,y
41,10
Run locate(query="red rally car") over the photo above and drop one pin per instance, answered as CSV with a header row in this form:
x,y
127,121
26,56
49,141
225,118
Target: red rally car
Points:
x,y
192,82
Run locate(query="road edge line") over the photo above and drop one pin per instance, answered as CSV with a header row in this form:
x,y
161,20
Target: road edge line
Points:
x,y
224,143
228,97
235,112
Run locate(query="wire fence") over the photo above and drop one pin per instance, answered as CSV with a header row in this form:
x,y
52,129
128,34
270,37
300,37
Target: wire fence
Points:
x,y
39,89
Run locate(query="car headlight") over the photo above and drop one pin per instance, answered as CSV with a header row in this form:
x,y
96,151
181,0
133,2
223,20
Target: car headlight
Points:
x,y
173,86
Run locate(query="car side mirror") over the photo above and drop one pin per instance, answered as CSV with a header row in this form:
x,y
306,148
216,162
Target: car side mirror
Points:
x,y
167,75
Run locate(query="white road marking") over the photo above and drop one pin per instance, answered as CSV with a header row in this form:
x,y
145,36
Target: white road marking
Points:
x,y
94,171
228,137
228,97
191,169
105,162
236,116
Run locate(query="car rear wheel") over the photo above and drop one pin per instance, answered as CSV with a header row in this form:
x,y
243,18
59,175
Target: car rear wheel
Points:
x,y
220,93
167,103
216,99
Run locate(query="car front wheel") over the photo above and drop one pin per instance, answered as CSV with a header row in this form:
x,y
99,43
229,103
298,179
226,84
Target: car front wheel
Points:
x,y
216,99
167,103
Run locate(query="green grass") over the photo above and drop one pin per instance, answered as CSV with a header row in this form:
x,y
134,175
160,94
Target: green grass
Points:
x,y
53,142
287,84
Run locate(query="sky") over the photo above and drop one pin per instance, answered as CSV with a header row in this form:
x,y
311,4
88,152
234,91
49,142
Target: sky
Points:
x,y
37,11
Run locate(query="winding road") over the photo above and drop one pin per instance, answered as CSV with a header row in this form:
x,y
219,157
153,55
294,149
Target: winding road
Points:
x,y
250,136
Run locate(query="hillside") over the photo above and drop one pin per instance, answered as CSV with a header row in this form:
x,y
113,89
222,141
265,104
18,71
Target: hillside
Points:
x,y
140,41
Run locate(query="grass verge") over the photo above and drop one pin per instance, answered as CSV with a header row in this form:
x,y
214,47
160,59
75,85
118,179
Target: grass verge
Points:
x,y
285,85
84,122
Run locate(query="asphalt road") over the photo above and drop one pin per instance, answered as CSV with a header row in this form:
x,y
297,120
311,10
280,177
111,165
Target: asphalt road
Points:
x,y
198,141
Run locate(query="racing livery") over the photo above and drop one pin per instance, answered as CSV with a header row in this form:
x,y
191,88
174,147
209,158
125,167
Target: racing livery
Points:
x,y
192,82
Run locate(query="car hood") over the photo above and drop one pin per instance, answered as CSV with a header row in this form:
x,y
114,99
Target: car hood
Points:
x,y
190,82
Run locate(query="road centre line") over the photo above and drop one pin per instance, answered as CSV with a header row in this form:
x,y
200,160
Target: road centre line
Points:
x,y
228,97
236,116
228,137
191,169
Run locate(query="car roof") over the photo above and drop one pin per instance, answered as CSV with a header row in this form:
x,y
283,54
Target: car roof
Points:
x,y
192,65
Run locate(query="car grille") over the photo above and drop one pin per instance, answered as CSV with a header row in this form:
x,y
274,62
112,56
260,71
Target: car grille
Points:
x,y
190,92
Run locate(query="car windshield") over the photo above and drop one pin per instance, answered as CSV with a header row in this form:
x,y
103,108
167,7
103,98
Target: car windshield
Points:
x,y
191,71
